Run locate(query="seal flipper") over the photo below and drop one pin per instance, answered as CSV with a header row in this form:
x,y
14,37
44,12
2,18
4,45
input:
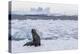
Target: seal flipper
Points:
x,y
28,44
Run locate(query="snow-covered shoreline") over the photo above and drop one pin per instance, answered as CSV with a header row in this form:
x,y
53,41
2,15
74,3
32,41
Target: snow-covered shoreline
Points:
x,y
46,45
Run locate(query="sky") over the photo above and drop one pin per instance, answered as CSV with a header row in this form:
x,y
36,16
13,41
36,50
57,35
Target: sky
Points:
x,y
22,7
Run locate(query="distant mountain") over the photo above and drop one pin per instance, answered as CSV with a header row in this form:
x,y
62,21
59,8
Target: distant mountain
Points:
x,y
42,16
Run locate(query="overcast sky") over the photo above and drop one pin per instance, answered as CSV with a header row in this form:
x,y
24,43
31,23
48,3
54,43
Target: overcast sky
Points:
x,y
66,9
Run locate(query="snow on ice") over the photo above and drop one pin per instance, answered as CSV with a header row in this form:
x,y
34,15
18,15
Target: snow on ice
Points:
x,y
55,34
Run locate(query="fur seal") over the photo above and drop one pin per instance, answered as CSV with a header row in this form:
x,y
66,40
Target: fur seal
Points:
x,y
36,39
